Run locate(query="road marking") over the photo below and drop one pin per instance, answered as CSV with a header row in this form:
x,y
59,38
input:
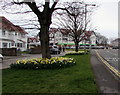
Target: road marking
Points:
x,y
112,53
112,59
109,66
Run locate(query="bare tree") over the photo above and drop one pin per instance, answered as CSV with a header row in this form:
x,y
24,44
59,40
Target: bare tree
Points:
x,y
74,20
43,13
101,40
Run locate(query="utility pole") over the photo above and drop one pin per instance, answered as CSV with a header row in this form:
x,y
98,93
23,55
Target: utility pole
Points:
x,y
86,5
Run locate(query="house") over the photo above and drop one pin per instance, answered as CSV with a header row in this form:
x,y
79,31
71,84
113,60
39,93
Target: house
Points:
x,y
62,37
33,42
115,43
34,46
12,36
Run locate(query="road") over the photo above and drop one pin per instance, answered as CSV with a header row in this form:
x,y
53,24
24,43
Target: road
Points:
x,y
111,56
105,80
11,59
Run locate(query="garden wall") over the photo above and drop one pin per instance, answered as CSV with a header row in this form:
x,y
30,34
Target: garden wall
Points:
x,y
8,51
35,50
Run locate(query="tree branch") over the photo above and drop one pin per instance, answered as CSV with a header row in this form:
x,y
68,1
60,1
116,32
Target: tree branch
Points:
x,y
34,8
65,10
53,6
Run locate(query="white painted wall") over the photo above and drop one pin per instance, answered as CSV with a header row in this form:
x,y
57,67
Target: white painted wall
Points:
x,y
59,38
10,36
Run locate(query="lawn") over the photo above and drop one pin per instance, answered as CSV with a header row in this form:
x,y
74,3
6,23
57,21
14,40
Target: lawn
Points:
x,y
76,79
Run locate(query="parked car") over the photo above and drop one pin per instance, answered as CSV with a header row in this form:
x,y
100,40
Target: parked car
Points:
x,y
115,47
72,47
54,50
1,57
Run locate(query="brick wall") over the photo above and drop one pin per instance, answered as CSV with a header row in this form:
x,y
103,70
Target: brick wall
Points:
x,y
8,51
35,50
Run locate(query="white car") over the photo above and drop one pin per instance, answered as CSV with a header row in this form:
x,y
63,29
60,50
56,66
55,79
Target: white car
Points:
x,y
54,50
1,57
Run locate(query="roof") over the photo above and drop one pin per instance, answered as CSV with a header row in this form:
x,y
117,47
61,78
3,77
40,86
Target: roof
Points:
x,y
21,40
33,39
88,33
20,29
7,25
116,40
53,30
67,31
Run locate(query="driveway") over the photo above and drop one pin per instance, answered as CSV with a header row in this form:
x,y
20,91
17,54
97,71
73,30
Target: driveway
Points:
x,y
11,59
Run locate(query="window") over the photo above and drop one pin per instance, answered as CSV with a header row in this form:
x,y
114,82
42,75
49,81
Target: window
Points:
x,y
19,44
65,39
15,33
9,45
3,32
4,45
12,44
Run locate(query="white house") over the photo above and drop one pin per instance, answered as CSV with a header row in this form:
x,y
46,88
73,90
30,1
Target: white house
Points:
x,y
33,42
62,37
116,42
12,35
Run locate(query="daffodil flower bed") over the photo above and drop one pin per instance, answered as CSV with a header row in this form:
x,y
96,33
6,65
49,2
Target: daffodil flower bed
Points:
x,y
40,63
76,53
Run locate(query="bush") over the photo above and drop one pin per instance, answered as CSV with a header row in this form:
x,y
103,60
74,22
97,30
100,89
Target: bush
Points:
x,y
77,53
40,63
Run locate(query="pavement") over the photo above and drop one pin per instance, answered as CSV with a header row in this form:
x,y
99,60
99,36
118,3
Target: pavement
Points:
x,y
7,60
106,81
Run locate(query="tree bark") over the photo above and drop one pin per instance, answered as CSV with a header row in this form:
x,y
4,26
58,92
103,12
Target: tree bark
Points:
x,y
45,22
76,46
44,39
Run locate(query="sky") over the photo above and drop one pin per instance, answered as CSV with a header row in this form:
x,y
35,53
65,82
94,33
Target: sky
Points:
x,y
104,18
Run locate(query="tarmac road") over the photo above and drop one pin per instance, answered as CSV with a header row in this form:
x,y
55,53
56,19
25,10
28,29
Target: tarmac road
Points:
x,y
111,56
106,82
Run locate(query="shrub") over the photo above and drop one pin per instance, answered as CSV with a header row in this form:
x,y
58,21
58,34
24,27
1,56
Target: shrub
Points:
x,y
77,53
40,63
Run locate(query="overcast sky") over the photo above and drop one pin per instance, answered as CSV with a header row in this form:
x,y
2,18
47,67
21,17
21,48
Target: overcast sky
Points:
x,y
104,19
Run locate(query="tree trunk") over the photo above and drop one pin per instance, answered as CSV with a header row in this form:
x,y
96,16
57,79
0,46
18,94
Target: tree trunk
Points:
x,y
45,21
44,39
76,46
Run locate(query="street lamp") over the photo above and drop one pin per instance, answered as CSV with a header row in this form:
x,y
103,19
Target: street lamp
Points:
x,y
86,5
86,13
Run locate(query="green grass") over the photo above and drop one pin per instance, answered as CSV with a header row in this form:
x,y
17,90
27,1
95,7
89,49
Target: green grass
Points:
x,y
75,79
24,52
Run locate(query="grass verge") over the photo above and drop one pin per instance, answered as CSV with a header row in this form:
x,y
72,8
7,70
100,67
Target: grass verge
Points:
x,y
76,79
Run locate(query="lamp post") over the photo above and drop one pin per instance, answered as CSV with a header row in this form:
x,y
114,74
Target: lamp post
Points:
x,y
86,5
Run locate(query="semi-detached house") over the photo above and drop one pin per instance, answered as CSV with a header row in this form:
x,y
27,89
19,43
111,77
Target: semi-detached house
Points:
x,y
62,37
12,36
